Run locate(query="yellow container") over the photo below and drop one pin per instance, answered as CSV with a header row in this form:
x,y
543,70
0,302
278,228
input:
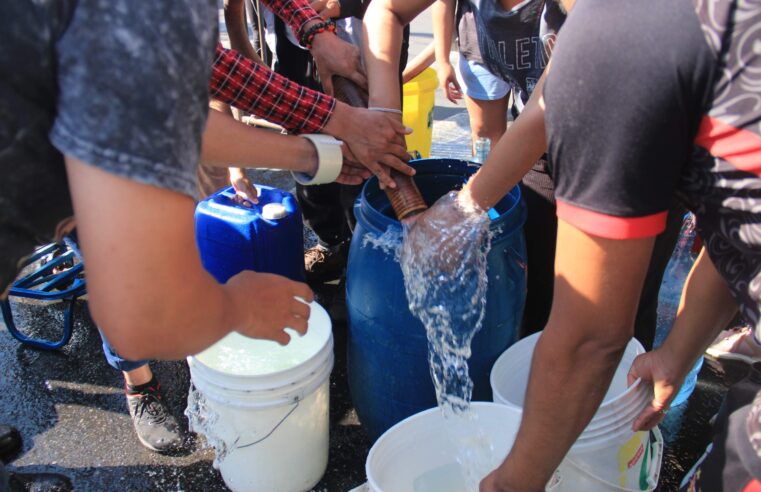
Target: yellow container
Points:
x,y
419,94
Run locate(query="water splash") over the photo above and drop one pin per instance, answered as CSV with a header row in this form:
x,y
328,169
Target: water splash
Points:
x,y
389,242
443,260
202,419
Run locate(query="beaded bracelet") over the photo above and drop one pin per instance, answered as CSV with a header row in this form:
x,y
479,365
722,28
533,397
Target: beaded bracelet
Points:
x,y
314,30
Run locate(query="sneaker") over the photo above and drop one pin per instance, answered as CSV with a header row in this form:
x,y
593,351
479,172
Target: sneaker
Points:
x,y
325,264
10,442
38,482
736,344
155,425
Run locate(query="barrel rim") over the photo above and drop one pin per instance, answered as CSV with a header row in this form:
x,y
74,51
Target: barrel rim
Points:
x,y
433,166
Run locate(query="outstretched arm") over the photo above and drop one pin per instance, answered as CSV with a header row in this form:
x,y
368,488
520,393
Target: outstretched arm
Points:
x,y
147,288
516,152
706,307
597,287
443,25
382,41
227,142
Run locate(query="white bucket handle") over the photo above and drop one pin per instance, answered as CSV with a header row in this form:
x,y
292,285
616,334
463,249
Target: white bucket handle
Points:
x,y
280,422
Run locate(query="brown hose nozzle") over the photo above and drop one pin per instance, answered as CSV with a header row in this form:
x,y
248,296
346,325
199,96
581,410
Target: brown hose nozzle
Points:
x,y
405,199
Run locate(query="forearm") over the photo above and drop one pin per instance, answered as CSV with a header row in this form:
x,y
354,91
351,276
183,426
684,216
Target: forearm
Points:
x,y
564,392
516,152
596,292
237,29
382,42
256,89
422,60
443,25
298,14
705,309
146,286
227,142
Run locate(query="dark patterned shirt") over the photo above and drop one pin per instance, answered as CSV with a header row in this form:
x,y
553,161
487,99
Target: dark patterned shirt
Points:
x,y
678,115
656,99
118,84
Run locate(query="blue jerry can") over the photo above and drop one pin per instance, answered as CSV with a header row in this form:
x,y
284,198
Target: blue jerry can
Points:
x,y
267,237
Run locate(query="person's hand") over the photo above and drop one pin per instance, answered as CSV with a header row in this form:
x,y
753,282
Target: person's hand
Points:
x,y
352,172
327,8
448,82
658,368
495,482
447,236
373,139
245,192
335,56
266,304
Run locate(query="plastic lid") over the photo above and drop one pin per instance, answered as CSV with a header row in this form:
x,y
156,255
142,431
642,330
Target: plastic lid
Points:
x,y
272,211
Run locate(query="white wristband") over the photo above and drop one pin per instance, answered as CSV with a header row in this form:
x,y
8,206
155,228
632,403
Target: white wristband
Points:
x,y
385,110
329,161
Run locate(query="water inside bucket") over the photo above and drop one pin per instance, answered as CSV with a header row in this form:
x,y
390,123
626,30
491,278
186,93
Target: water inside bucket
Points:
x,y
244,356
447,478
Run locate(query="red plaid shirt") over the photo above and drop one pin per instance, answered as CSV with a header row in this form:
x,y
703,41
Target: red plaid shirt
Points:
x,y
239,82
294,12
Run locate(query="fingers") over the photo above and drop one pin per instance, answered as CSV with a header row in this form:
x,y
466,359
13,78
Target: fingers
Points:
x,y
303,291
327,83
632,376
384,177
246,197
650,416
359,78
399,127
281,337
394,162
349,180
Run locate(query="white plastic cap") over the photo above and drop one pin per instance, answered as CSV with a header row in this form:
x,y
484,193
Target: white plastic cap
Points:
x,y
273,211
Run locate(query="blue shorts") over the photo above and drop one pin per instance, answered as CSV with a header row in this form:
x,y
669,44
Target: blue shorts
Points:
x,y
477,82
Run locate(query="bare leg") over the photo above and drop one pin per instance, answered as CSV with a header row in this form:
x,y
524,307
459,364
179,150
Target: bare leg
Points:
x,y
136,377
487,118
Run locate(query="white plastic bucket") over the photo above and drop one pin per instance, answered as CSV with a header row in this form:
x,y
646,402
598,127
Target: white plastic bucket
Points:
x,y
417,455
607,449
580,470
264,407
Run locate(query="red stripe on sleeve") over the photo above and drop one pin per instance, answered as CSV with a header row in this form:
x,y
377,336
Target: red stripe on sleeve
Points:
x,y
753,486
739,147
609,226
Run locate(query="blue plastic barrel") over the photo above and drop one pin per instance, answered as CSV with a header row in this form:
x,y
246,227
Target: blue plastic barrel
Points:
x,y
388,371
267,237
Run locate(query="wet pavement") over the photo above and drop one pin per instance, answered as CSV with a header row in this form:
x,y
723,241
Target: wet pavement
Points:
x,y
70,408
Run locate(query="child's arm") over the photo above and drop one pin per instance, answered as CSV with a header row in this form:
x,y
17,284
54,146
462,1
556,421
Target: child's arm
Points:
x,y
443,25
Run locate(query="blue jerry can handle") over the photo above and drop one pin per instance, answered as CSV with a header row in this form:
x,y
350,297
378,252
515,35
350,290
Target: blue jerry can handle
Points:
x,y
224,199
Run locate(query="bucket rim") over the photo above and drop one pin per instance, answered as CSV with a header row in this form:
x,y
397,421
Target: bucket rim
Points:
x,y
424,414
532,339
193,360
423,82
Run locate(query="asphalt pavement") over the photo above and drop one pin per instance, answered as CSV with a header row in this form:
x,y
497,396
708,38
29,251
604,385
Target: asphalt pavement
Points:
x,y
70,408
